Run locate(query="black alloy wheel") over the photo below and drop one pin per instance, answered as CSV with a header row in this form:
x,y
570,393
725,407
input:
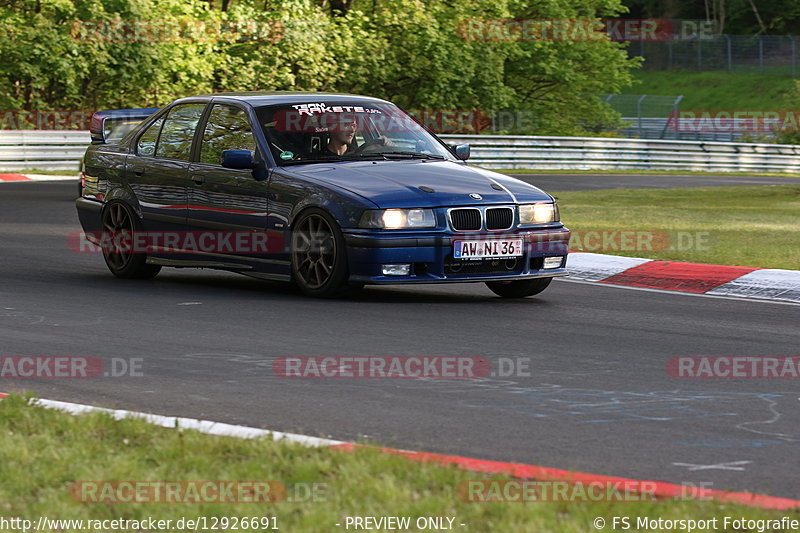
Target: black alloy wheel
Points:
x,y
319,257
119,227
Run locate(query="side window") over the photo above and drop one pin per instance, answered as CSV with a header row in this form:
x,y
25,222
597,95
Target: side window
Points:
x,y
147,142
228,128
178,130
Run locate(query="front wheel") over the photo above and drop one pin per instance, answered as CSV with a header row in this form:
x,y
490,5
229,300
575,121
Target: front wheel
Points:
x,y
518,289
319,256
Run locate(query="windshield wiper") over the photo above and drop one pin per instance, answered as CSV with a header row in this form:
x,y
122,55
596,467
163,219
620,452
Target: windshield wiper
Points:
x,y
334,157
328,159
365,155
411,155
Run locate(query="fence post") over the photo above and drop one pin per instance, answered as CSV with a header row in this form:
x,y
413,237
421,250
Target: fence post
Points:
x,y
699,53
794,56
669,54
675,118
639,112
730,56
760,54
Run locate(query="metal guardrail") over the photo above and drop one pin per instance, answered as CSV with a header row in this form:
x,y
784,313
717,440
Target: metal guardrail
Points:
x,y
587,153
42,149
61,150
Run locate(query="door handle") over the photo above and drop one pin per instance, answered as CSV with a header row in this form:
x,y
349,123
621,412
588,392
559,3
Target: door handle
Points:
x,y
138,170
198,179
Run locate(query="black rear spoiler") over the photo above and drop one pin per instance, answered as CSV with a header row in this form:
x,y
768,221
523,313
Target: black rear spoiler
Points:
x,y
111,126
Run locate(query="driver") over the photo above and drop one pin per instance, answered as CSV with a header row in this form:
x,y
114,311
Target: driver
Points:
x,y
342,136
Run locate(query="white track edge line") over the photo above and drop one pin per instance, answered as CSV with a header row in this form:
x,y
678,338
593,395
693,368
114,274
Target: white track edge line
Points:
x,y
203,426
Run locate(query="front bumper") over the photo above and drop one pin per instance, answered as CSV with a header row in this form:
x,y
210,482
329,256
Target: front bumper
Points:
x,y
431,256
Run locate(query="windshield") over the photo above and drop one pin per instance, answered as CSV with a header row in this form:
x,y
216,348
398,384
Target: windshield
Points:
x,y
323,131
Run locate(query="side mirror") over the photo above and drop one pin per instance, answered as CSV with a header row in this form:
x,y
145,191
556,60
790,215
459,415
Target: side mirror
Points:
x,y
462,151
237,159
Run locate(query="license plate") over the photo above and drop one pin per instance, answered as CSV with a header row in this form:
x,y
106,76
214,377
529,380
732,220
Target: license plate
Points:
x,y
487,249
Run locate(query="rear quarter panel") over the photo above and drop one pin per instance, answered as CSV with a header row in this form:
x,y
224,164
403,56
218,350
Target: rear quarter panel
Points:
x,y
104,166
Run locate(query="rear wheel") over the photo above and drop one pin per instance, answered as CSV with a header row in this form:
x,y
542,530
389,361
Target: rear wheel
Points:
x,y
518,289
119,226
319,256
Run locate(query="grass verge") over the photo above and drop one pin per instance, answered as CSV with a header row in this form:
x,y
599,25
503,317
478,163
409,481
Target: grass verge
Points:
x,y
746,226
719,90
45,451
635,172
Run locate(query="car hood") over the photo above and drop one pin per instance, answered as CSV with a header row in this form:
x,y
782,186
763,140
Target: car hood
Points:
x,y
393,184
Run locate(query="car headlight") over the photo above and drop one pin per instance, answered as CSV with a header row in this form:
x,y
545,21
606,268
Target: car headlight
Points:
x,y
398,219
538,213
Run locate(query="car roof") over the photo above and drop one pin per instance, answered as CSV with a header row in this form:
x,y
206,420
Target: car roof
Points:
x,y
262,98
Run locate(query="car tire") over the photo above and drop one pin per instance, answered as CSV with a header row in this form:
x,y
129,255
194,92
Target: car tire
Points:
x,y
121,259
319,256
518,289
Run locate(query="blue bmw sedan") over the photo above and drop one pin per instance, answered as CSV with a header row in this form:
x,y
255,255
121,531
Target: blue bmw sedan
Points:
x,y
329,191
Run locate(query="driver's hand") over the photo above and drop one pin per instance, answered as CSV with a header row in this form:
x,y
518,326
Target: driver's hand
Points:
x,y
375,144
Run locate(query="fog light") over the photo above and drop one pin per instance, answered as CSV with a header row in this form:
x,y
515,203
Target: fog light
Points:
x,y
403,269
552,262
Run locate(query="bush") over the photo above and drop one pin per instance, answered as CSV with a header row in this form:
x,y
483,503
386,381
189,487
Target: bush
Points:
x,y
87,55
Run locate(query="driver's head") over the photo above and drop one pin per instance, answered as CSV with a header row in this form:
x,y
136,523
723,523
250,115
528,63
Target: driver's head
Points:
x,y
344,129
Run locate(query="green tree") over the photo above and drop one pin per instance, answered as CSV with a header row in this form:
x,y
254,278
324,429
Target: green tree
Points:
x,y
87,54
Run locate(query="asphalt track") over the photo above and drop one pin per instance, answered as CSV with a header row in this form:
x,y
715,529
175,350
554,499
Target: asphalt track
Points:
x,y
597,398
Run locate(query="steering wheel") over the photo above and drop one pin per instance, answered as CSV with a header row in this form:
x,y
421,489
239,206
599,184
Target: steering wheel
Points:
x,y
369,144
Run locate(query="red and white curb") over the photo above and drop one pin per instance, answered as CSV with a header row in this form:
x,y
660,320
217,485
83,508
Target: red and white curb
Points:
x,y
7,178
658,489
698,278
